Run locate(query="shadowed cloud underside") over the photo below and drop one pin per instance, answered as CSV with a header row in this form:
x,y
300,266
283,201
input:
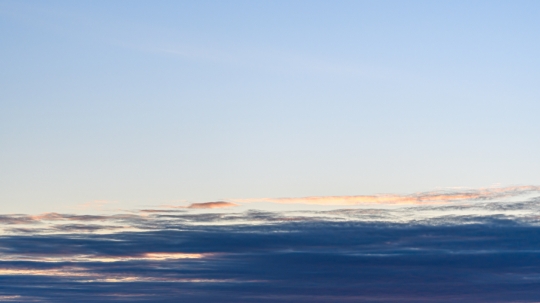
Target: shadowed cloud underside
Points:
x,y
482,247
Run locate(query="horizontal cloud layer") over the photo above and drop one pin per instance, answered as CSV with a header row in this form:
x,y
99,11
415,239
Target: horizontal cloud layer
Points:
x,y
423,251
433,197
494,261
218,204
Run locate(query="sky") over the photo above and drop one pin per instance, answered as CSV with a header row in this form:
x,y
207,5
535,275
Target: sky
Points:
x,y
269,151
147,103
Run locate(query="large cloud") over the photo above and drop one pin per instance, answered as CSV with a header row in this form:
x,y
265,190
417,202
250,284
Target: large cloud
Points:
x,y
286,262
421,252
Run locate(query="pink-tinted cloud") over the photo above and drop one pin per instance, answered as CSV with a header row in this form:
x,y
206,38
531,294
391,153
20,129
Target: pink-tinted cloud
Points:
x,y
219,204
48,217
432,197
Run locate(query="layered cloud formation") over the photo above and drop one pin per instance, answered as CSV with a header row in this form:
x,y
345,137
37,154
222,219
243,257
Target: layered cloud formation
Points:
x,y
481,247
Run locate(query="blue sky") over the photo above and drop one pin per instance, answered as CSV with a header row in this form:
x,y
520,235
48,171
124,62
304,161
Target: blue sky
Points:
x,y
149,103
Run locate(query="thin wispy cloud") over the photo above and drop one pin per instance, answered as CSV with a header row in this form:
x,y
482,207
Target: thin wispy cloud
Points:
x,y
219,204
515,203
159,41
432,197
199,205
66,257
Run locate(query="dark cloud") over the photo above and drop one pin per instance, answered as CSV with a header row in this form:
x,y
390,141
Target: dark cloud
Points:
x,y
493,261
484,252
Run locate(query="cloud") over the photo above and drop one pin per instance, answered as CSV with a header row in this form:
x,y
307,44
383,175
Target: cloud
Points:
x,y
70,257
16,219
285,262
485,249
83,275
11,298
218,204
428,213
432,197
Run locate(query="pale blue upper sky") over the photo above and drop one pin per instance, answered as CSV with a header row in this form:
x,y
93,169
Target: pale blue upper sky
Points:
x,y
160,102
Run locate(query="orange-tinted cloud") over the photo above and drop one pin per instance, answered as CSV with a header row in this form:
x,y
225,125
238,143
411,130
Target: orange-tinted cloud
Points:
x,y
48,217
219,204
432,197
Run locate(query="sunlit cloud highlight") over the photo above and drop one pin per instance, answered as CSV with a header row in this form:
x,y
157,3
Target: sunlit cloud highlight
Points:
x,y
432,197
156,256
219,204
84,275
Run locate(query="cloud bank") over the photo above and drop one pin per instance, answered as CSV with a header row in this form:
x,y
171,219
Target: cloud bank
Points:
x,y
478,252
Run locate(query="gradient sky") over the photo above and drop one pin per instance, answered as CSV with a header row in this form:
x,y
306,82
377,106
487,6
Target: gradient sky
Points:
x,y
147,103
269,151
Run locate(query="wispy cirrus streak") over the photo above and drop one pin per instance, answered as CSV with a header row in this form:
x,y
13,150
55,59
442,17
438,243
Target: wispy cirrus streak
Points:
x,y
432,197
150,256
84,275
199,205
218,204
